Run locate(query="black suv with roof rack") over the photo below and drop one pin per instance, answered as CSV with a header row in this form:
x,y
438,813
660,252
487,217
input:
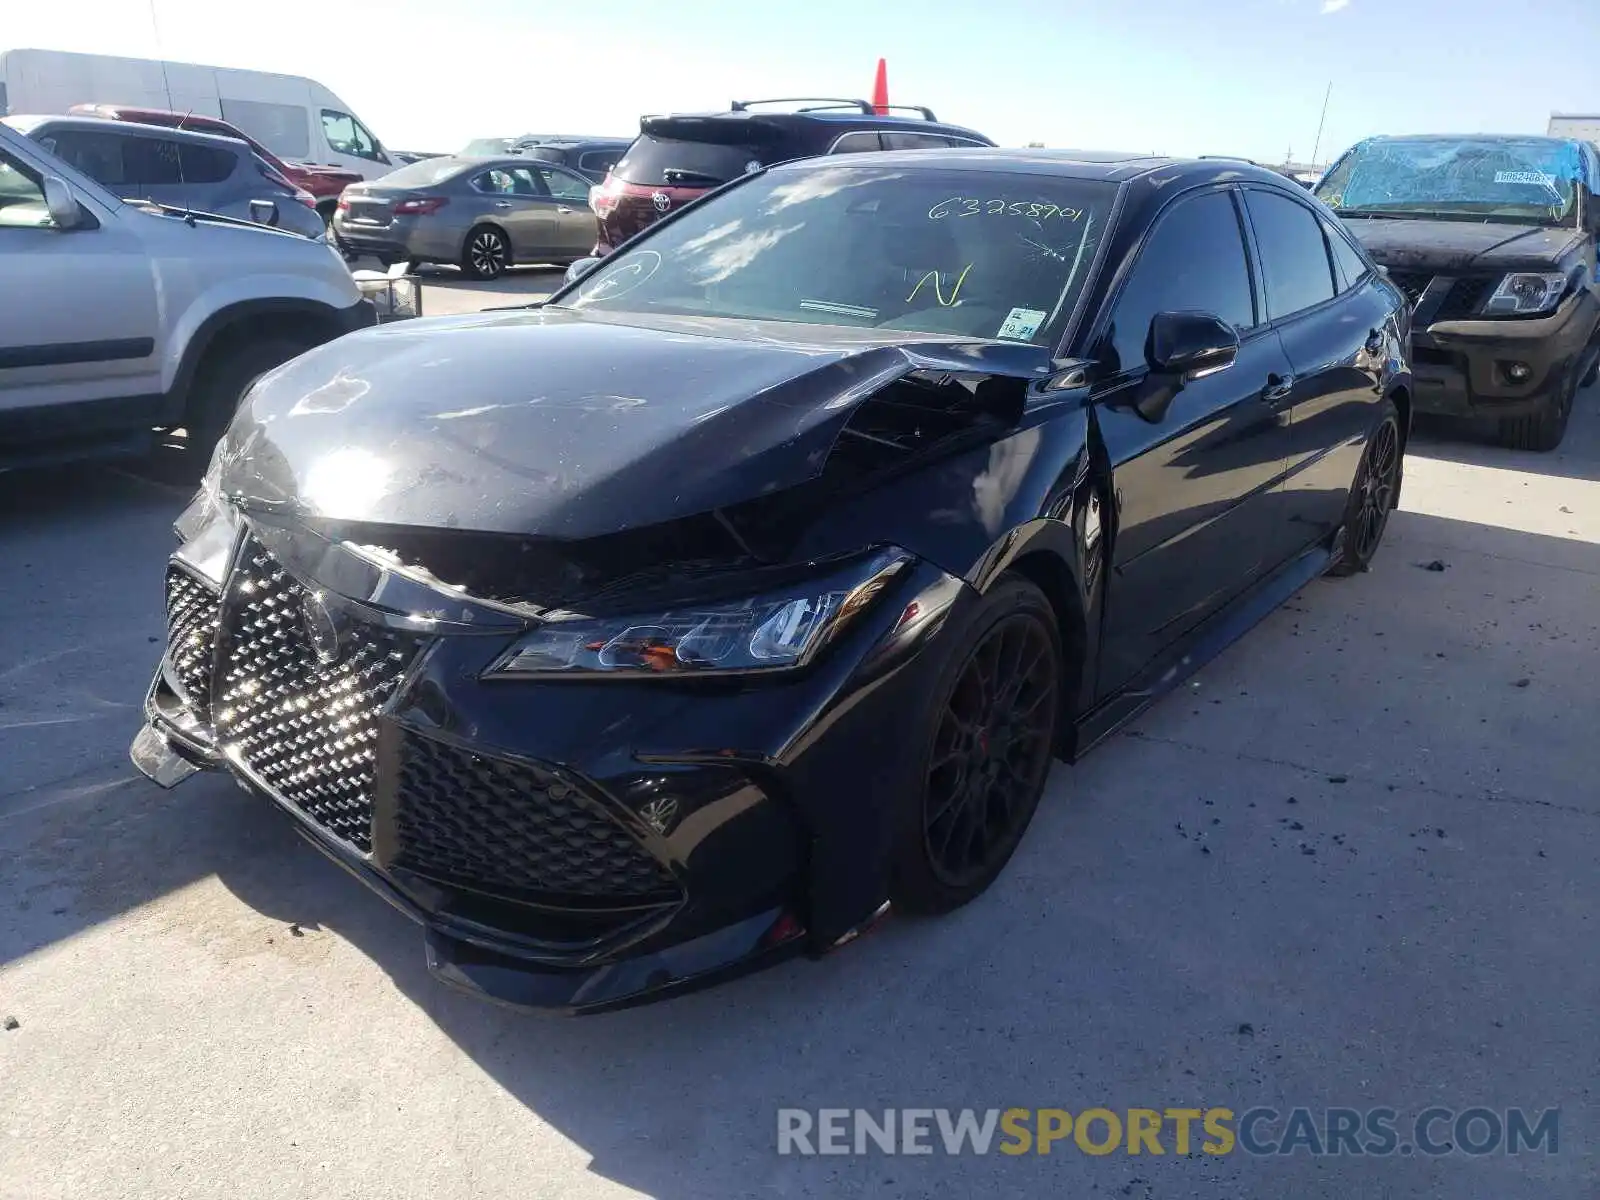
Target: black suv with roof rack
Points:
x,y
680,157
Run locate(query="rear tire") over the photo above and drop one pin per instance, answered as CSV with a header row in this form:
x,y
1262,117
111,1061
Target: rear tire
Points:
x,y
1543,430
985,748
486,254
227,373
1373,494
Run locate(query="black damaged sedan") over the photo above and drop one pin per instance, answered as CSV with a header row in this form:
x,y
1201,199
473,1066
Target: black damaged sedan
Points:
x,y
744,591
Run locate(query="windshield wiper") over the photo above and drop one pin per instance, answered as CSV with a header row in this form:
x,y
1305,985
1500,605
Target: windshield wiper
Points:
x,y
684,175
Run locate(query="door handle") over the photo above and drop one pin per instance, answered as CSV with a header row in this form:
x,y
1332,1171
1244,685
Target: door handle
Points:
x,y
502,204
562,208
1279,387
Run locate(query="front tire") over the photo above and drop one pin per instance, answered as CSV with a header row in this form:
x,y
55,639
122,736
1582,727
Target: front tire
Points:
x,y
1373,494
1543,430
487,253
984,753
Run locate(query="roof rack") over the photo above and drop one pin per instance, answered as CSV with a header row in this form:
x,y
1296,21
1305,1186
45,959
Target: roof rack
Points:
x,y
834,104
820,101
1229,158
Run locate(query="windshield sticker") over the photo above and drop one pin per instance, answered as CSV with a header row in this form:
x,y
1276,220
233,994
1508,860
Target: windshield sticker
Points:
x,y
1022,324
1537,178
938,287
962,206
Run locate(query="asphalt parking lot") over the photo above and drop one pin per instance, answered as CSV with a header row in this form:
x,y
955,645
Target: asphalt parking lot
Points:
x,y
1354,864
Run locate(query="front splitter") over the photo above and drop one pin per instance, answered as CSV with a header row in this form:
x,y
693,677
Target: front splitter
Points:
x,y
496,973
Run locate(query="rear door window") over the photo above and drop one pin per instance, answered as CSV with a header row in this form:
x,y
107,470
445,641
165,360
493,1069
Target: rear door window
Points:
x,y
655,161
152,162
1294,256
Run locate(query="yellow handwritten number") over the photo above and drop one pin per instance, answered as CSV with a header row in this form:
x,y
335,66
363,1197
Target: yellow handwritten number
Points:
x,y
938,288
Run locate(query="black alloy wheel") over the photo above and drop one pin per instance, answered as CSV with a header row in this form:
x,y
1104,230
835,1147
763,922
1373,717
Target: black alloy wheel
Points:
x,y
988,753
1373,495
487,255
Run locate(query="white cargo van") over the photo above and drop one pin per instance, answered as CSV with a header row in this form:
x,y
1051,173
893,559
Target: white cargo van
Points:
x,y
1584,127
297,119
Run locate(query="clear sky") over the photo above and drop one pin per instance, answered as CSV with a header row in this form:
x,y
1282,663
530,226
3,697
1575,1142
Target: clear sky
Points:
x,y
1176,76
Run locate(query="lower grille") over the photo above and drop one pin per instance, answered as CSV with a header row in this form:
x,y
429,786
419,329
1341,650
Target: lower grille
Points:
x,y
307,726
192,614
513,829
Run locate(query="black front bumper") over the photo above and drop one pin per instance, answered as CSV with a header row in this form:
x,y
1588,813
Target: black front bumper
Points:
x,y
1460,367
568,846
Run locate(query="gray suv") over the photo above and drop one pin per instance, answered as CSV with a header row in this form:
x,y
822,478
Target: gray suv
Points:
x,y
201,172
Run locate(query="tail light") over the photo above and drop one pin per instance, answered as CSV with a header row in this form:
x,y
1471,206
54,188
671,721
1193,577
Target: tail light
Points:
x,y
343,205
422,206
603,197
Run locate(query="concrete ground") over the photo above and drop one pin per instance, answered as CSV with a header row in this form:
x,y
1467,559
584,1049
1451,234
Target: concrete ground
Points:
x,y
1353,865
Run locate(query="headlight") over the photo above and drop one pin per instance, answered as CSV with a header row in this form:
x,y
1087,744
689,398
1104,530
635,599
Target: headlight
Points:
x,y
770,632
207,505
1525,293
207,527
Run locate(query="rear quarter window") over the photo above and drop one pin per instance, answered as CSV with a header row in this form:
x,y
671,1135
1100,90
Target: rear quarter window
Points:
x,y
205,164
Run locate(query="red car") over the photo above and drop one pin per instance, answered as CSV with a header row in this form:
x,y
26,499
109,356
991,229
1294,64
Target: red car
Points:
x,y
324,183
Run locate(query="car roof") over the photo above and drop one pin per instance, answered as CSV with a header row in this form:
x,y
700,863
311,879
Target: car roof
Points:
x,y
192,136
1111,166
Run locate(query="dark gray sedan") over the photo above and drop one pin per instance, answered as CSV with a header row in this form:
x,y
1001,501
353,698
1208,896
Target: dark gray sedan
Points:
x,y
482,214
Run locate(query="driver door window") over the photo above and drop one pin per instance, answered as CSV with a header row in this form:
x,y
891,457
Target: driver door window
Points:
x,y
346,135
1194,260
22,204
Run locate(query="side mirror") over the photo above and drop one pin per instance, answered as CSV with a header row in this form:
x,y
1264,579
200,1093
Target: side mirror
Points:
x,y
579,269
264,212
65,212
1191,345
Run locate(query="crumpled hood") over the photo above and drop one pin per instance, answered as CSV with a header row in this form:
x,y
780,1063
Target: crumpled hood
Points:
x,y
1462,245
555,423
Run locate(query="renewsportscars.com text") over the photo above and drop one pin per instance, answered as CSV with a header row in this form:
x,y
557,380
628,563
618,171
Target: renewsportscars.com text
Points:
x,y
1257,1131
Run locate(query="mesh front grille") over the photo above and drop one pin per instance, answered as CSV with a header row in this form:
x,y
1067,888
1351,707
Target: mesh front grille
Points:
x,y
307,727
513,828
1464,297
192,612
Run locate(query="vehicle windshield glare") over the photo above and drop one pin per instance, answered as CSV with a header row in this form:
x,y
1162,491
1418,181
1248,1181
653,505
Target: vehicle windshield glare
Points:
x,y
1479,179
967,254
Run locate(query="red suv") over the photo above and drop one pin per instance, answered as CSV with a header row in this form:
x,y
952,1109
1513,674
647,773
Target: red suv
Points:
x,y
324,183
679,158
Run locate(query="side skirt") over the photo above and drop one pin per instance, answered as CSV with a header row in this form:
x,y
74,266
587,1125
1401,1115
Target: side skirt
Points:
x,y
1210,639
